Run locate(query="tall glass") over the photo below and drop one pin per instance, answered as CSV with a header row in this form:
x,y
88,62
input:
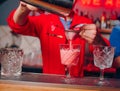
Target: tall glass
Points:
x,y
103,58
70,55
11,61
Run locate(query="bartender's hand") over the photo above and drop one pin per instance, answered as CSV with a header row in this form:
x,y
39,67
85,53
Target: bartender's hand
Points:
x,y
88,32
21,13
28,6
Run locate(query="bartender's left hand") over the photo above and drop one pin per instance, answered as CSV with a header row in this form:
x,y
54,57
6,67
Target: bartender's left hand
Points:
x,y
88,32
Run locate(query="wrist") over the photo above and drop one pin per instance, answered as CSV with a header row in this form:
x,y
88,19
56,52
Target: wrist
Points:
x,y
20,15
23,9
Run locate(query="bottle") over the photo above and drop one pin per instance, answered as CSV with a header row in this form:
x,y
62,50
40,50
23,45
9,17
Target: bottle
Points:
x,y
108,23
103,20
98,23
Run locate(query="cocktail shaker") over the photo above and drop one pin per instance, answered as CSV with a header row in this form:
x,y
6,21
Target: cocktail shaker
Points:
x,y
60,7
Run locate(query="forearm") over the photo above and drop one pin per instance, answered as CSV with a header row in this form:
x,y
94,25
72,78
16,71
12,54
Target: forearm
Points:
x,y
20,15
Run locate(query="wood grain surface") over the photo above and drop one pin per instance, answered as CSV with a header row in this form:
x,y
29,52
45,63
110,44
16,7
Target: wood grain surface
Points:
x,y
7,85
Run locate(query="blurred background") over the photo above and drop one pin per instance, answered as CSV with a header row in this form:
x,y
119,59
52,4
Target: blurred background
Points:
x,y
104,18
30,45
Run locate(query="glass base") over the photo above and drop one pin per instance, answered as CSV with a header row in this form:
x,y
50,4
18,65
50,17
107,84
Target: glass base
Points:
x,y
10,74
68,80
102,82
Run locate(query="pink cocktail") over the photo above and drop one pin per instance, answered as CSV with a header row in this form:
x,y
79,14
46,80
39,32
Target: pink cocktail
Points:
x,y
70,55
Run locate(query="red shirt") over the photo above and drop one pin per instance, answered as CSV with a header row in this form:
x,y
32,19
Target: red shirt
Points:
x,y
44,27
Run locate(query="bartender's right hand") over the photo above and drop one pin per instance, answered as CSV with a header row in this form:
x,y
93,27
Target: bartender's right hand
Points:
x,y
21,13
28,6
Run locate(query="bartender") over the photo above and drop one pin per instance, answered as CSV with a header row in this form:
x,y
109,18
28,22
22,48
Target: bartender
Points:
x,y
50,29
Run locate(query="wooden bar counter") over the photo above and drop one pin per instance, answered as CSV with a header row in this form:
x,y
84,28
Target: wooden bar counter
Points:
x,y
45,82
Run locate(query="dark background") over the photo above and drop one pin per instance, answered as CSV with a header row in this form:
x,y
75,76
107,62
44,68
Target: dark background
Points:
x,y
5,8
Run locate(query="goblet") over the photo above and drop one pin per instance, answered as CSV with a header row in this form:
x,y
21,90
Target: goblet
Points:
x,y
103,58
11,61
70,55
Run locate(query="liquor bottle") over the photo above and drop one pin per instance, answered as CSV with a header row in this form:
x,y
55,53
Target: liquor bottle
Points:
x,y
108,23
103,20
98,23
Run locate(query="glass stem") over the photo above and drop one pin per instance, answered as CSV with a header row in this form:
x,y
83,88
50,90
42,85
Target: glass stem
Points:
x,y
101,74
67,71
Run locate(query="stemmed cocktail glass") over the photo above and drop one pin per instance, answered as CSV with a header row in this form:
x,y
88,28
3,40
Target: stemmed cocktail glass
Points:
x,y
103,58
70,55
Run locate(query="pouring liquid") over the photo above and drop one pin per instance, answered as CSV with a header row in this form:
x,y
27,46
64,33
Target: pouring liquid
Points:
x,y
69,33
70,44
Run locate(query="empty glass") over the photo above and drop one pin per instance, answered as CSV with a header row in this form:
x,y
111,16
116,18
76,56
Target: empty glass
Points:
x,y
103,58
11,61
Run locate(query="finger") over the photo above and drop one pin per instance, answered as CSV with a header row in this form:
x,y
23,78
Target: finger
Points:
x,y
89,27
23,3
32,8
89,33
88,36
88,39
